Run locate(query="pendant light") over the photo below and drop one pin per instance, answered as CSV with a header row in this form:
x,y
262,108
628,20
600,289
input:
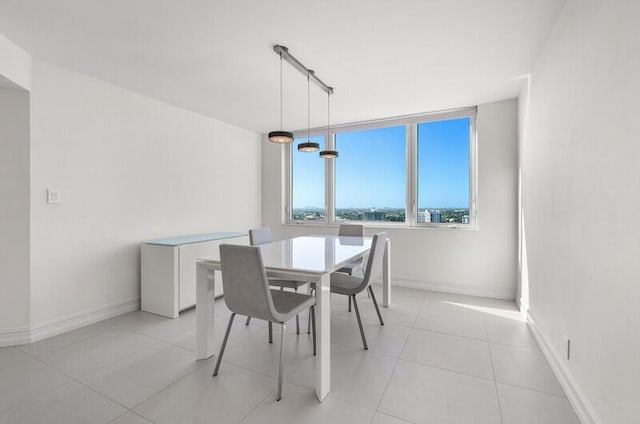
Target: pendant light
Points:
x,y
281,137
328,154
309,146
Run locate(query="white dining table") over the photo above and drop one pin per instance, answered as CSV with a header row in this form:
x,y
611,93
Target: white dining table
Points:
x,y
308,258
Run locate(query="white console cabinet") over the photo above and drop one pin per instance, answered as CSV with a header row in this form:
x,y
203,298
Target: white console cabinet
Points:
x,y
168,270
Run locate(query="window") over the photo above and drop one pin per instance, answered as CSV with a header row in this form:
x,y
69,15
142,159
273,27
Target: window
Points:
x,y
412,171
443,172
307,183
371,182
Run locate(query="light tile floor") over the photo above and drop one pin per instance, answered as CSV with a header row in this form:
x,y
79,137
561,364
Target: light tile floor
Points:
x,y
440,358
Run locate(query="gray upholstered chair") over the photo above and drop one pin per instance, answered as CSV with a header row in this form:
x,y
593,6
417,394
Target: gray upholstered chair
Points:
x,y
263,236
351,285
352,230
247,292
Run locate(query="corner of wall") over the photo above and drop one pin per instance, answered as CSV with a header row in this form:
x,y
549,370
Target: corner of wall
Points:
x,y
15,64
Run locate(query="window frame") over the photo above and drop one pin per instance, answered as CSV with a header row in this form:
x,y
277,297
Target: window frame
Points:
x,y
411,123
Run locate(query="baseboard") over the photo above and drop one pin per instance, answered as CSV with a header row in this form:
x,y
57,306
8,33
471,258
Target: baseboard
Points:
x,y
453,288
14,336
70,322
585,412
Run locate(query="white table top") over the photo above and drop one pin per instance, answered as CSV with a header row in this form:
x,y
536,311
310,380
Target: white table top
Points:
x,y
193,238
315,254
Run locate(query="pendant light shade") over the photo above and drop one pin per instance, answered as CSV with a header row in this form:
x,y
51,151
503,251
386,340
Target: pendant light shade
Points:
x,y
281,136
329,154
308,147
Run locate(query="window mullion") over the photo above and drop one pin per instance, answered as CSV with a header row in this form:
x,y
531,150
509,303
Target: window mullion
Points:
x,y
329,182
286,156
410,206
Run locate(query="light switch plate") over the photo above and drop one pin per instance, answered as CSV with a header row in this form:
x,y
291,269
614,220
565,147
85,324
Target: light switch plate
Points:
x,y
53,196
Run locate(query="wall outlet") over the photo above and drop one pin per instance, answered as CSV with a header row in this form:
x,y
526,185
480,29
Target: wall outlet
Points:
x,y
53,196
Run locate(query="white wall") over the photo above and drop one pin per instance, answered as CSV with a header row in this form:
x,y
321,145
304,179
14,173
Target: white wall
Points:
x,y
477,262
14,210
15,64
581,197
129,168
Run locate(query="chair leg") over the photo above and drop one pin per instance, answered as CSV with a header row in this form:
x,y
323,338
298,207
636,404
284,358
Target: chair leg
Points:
x,y
364,339
368,295
248,321
312,310
224,344
280,366
297,318
311,293
270,332
349,309
375,303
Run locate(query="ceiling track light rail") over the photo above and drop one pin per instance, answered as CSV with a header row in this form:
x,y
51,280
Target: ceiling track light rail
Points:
x,y
284,53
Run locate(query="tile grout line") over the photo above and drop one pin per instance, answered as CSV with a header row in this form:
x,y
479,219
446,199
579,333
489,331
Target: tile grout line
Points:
x,y
303,387
197,368
248,414
157,342
26,401
493,370
386,387
77,380
133,412
115,328
72,380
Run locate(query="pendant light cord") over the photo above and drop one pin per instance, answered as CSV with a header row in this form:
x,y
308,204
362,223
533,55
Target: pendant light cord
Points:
x,y
328,116
308,109
280,91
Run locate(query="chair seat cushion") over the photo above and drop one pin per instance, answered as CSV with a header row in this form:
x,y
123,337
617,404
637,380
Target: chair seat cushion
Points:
x,y
345,284
289,304
289,284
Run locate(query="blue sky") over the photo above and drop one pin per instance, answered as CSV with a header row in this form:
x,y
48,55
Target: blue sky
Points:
x,y
308,180
371,169
443,164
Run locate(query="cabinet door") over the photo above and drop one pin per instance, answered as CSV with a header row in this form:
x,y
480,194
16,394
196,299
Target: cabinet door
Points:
x,y
189,254
159,280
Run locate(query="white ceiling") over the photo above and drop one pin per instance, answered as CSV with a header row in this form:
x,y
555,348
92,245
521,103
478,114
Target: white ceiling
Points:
x,y
384,58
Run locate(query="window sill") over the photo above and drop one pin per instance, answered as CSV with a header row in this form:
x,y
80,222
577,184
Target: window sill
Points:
x,y
386,226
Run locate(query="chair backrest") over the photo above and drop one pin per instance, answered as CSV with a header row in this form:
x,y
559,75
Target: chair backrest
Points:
x,y
376,256
351,230
246,287
260,236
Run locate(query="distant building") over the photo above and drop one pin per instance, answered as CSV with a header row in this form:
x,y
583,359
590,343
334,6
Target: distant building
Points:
x,y
465,219
424,216
436,216
374,215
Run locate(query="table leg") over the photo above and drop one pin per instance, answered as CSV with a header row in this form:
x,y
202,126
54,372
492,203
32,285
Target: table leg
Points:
x,y
205,308
386,275
323,337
